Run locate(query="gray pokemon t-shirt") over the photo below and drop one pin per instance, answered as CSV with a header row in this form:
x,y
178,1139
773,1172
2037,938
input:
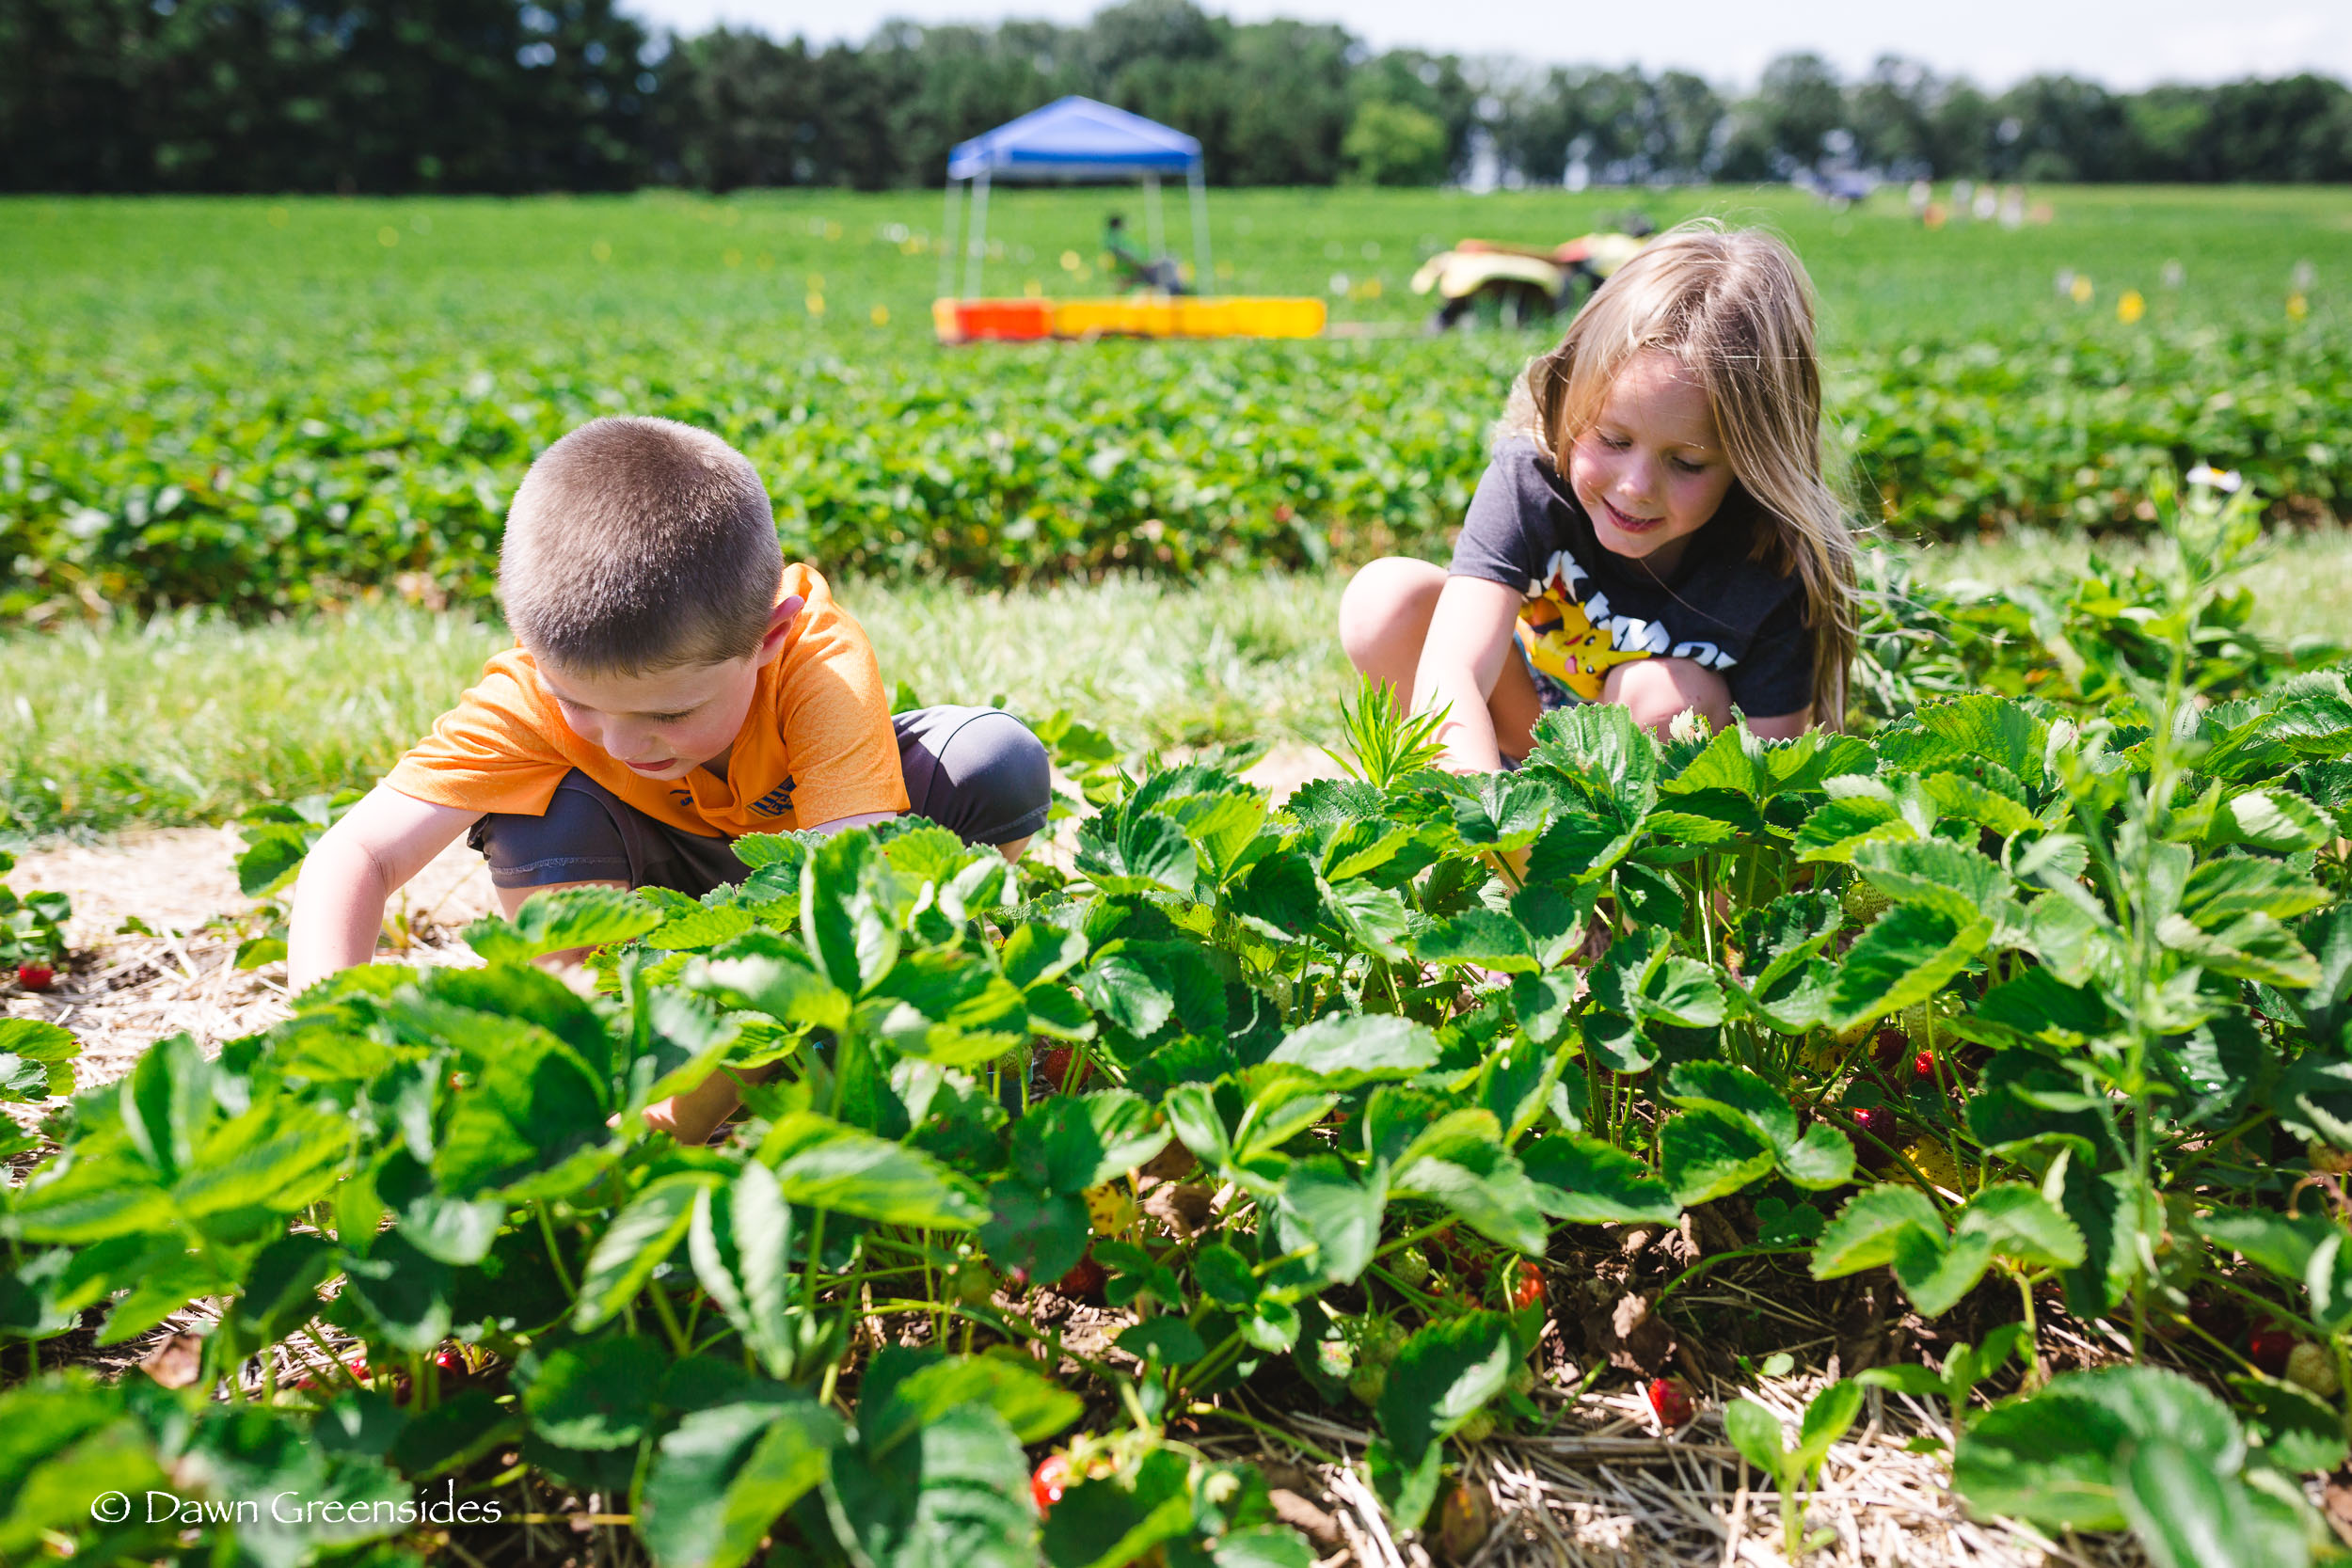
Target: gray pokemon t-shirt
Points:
x,y
1587,610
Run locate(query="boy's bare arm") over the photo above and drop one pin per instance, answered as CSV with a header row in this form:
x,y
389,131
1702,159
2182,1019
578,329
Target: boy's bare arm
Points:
x,y
339,899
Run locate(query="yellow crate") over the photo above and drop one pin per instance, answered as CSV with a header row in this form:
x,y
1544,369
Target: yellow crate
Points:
x,y
1273,317
1147,316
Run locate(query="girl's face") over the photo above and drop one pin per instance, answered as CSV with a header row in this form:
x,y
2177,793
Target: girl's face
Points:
x,y
1651,471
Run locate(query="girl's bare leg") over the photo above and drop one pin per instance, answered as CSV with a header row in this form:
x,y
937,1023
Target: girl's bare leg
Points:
x,y
1384,620
1656,690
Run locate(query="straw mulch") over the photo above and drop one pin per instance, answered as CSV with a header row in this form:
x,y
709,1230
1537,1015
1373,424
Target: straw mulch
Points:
x,y
122,991
1605,1486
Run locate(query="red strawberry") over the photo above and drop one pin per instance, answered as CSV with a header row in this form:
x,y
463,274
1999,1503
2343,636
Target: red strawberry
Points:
x,y
2269,1349
450,1360
1055,1065
1051,1481
1923,1067
1887,1047
36,977
1527,1288
1086,1278
1875,1121
1672,1402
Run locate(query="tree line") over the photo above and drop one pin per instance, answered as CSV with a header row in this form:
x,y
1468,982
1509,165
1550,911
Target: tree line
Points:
x,y
520,95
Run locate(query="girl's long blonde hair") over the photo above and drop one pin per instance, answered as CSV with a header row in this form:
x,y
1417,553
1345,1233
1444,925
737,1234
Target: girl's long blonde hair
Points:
x,y
1735,307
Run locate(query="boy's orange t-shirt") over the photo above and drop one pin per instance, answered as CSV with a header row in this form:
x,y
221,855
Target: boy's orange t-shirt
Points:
x,y
815,745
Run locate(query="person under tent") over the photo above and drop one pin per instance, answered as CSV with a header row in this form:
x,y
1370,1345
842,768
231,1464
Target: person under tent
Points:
x,y
1136,271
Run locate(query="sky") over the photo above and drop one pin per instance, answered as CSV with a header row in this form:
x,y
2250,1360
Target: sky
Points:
x,y
2125,44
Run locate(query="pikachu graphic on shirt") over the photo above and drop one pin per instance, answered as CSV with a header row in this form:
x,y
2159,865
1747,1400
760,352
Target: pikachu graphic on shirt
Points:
x,y
1561,640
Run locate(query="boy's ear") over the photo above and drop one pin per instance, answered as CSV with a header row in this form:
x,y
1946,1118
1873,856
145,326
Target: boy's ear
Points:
x,y
779,625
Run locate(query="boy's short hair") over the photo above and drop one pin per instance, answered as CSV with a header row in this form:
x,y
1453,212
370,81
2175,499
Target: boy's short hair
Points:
x,y
636,544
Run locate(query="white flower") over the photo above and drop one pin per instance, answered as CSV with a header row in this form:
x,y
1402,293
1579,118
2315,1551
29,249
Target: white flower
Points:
x,y
2220,479
1690,724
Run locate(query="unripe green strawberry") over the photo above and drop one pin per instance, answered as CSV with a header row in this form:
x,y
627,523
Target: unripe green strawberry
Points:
x,y
1865,903
1412,1266
2313,1366
1521,1381
974,1282
1382,1338
1367,1383
1476,1427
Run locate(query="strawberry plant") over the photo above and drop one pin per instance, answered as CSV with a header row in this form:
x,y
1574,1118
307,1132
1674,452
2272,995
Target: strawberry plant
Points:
x,y
32,932
255,448
1353,1066
1756,1431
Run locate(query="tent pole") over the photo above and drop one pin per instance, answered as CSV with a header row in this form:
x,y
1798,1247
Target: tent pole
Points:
x,y
978,248
1206,284
1153,229
947,243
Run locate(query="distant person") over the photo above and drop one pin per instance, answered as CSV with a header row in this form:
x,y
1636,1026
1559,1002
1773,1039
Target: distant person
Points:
x,y
676,684
1136,271
1654,529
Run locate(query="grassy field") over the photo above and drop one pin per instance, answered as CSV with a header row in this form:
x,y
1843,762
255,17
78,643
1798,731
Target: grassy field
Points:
x,y
189,717
136,276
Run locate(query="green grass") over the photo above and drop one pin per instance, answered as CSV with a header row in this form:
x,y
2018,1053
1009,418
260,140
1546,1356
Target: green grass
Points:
x,y
187,719
192,718
139,274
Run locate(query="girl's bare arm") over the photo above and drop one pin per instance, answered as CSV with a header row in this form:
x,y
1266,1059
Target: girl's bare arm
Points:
x,y
1470,635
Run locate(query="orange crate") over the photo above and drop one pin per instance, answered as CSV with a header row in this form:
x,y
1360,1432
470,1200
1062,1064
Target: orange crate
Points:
x,y
970,320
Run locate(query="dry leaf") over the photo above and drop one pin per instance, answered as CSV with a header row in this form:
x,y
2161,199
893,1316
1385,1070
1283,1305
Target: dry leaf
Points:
x,y
175,1362
1181,1207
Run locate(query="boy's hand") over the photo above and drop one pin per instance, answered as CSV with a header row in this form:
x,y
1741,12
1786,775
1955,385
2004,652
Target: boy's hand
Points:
x,y
691,1117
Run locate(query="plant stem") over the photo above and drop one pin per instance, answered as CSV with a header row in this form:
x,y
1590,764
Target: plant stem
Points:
x,y
670,1325
2033,1334
555,1253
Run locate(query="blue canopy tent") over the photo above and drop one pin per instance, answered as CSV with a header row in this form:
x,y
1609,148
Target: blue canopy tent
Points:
x,y
1072,138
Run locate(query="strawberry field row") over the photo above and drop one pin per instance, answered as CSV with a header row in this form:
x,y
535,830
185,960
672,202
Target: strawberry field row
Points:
x,y
260,475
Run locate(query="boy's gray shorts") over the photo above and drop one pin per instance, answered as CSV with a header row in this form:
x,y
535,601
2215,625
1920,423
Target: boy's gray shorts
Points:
x,y
976,771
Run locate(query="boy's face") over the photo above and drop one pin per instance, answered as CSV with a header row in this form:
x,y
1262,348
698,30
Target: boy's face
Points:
x,y
668,723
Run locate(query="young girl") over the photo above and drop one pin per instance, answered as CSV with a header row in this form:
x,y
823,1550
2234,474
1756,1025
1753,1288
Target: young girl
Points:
x,y
1654,530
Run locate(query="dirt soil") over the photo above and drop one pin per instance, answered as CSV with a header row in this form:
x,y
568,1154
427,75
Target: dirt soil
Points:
x,y
123,988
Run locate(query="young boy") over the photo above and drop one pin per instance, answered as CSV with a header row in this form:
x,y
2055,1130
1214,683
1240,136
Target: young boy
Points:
x,y
676,684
